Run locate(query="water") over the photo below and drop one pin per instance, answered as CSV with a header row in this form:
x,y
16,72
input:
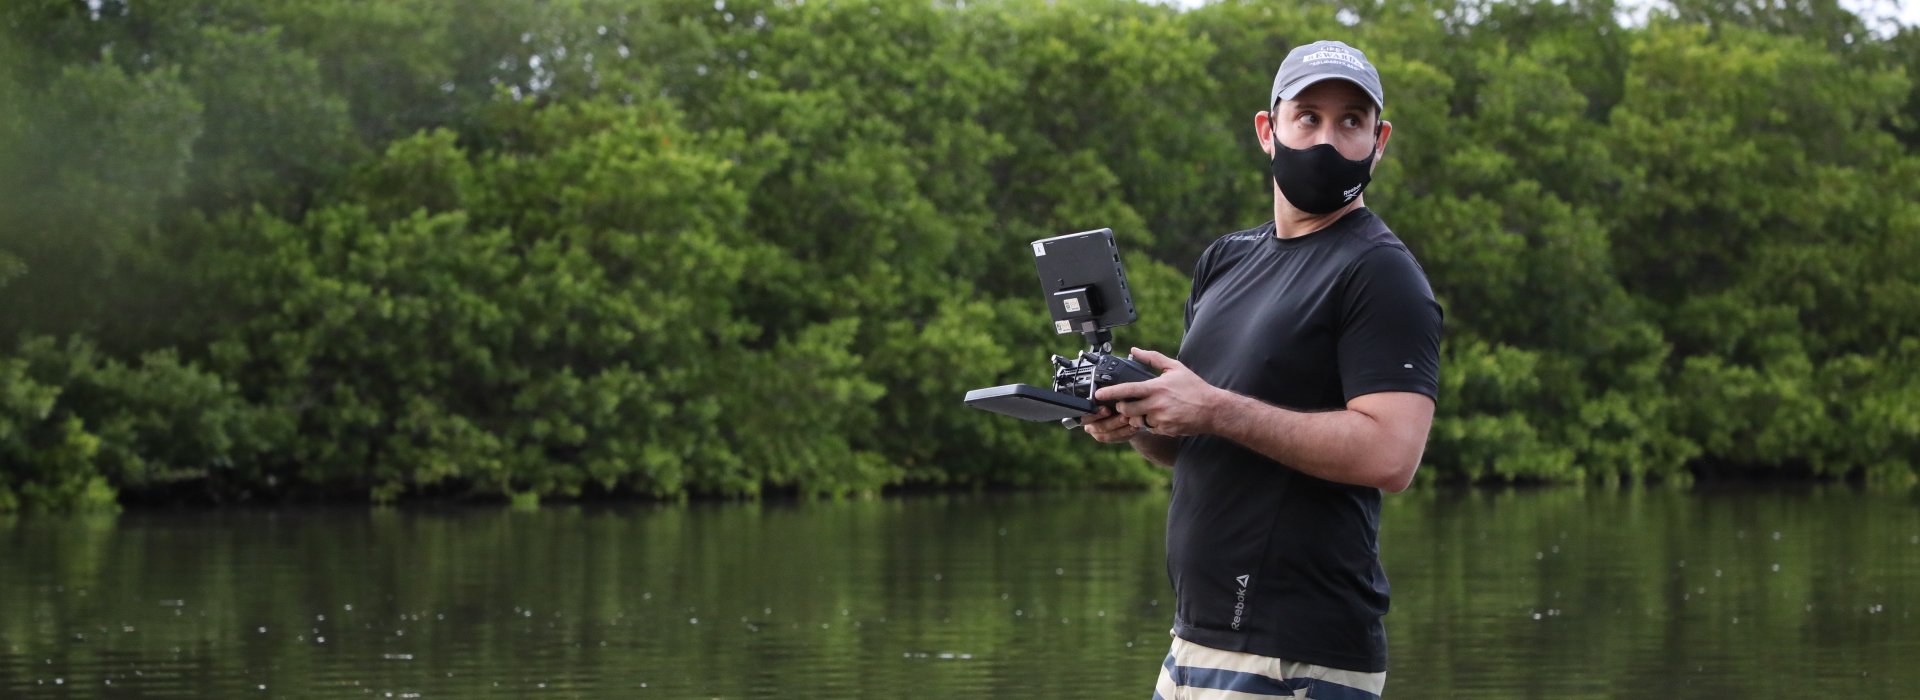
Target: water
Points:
x,y
1562,593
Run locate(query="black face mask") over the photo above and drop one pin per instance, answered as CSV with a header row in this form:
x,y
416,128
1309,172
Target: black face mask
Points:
x,y
1319,180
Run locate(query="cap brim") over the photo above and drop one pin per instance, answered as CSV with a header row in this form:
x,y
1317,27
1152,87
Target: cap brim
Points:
x,y
1291,91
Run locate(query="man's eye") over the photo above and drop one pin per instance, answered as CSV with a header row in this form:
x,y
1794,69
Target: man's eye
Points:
x,y
1353,122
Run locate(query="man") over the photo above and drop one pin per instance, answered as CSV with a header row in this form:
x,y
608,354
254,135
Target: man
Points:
x,y
1305,387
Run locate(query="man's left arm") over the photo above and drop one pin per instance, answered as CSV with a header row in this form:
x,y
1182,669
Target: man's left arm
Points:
x,y
1376,441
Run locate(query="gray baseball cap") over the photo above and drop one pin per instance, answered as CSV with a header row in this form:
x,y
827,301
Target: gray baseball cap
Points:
x,y
1325,60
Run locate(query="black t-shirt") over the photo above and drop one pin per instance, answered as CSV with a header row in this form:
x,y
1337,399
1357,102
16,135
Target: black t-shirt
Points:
x,y
1265,559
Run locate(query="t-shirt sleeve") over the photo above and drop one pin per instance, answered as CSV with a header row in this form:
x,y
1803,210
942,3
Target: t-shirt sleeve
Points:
x,y
1390,330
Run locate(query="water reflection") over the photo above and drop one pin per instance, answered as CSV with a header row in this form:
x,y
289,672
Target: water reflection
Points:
x,y
1555,593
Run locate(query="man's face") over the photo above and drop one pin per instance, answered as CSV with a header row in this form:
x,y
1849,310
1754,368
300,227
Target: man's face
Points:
x,y
1330,111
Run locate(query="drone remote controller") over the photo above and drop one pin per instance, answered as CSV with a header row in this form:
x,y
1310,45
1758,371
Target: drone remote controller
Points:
x,y
1086,291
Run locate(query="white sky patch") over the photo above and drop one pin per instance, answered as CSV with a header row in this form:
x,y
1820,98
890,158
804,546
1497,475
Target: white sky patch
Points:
x,y
1883,17
1905,13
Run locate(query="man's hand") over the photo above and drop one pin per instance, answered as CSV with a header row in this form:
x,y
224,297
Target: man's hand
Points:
x,y
1107,426
1174,404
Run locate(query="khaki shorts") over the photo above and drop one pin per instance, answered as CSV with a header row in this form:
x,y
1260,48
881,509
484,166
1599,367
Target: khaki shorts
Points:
x,y
1194,672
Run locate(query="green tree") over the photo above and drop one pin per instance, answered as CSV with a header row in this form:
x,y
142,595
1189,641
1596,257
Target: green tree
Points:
x,y
665,247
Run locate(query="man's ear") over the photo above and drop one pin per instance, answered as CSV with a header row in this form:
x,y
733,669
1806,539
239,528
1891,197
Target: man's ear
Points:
x,y
1381,132
1263,131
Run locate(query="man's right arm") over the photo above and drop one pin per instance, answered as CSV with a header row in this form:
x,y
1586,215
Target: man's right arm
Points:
x,y
1106,425
1158,449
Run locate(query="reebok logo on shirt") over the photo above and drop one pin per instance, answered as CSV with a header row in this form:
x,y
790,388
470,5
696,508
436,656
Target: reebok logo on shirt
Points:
x,y
1240,600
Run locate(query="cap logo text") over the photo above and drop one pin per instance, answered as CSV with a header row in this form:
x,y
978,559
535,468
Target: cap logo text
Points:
x,y
1334,56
